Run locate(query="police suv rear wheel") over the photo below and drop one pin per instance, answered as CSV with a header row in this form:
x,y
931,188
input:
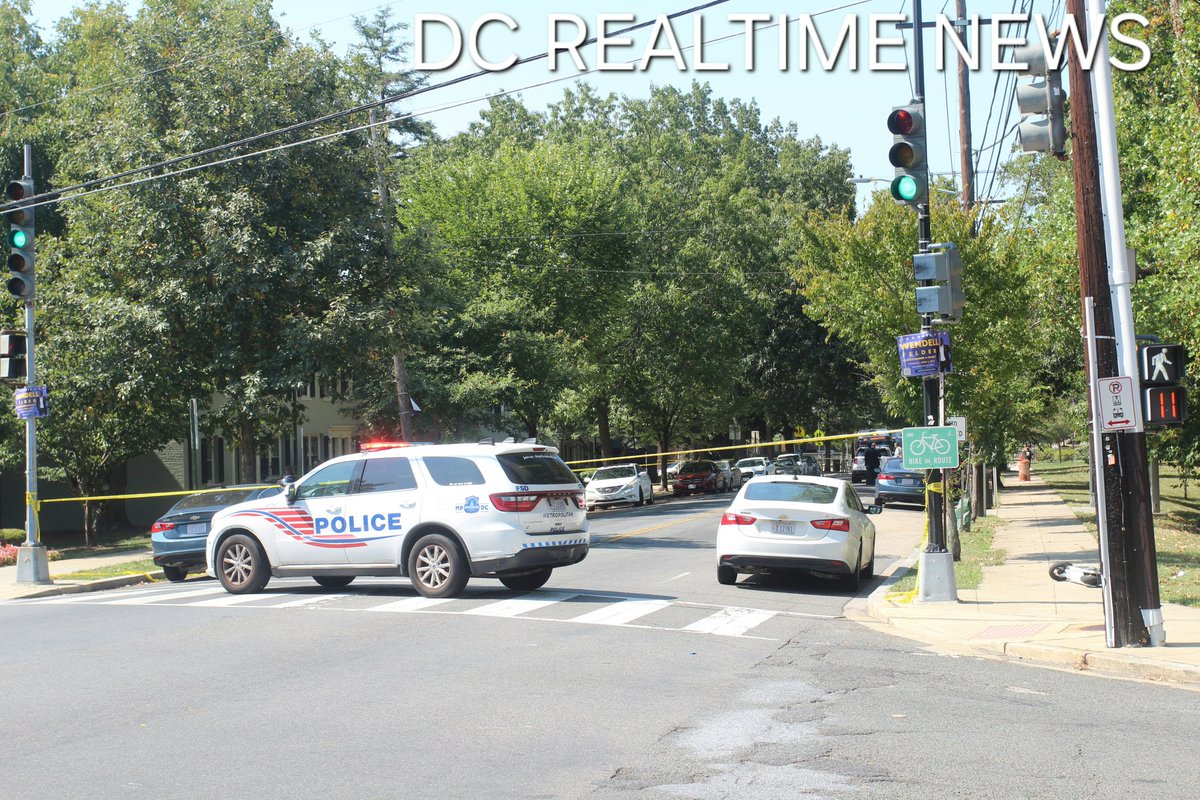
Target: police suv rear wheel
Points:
x,y
242,565
529,581
436,567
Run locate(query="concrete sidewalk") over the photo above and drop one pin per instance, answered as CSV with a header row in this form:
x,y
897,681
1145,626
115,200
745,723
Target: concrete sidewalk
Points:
x,y
11,590
1019,612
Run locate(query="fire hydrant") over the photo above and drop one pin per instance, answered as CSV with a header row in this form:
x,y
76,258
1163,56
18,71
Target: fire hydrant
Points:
x,y
1022,468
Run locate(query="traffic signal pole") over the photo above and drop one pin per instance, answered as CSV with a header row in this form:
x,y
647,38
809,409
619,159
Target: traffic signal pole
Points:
x,y
1124,623
1138,508
935,572
32,564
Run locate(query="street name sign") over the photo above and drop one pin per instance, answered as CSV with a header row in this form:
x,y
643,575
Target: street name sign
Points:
x,y
934,447
1117,411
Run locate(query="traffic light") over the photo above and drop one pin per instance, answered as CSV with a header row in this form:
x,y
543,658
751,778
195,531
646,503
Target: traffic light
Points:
x,y
12,355
20,240
946,298
1041,102
910,187
1164,401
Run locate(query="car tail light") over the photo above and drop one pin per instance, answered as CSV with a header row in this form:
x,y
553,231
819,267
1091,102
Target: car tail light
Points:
x,y
515,502
883,476
835,524
159,527
729,518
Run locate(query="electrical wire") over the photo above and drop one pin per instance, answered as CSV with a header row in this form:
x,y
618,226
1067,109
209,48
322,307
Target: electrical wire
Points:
x,y
340,114
92,187
186,62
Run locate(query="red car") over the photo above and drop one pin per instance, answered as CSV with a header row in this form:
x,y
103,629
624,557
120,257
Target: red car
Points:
x,y
697,476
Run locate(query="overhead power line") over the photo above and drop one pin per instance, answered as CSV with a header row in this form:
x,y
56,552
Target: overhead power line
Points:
x,y
85,185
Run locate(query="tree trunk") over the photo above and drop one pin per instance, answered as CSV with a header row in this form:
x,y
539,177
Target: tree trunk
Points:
x,y
603,427
247,450
402,398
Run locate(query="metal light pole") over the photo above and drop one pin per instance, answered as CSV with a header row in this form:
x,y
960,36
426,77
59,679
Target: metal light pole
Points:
x,y
32,564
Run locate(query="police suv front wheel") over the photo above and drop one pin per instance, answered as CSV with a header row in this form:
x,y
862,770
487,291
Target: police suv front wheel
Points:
x,y
242,565
436,567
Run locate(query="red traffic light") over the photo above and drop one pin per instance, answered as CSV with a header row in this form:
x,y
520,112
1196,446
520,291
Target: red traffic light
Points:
x,y
900,122
15,190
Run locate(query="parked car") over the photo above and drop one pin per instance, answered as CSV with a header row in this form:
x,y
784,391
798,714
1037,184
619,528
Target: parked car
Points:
x,y
797,464
177,537
673,469
697,476
619,483
895,484
797,524
755,466
731,477
858,469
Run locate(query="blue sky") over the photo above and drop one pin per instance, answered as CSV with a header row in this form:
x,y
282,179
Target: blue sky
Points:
x,y
842,106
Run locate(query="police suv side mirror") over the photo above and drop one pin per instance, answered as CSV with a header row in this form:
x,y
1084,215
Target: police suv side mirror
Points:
x,y
289,491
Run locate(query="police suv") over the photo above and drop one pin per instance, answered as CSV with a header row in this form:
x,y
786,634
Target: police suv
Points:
x,y
436,514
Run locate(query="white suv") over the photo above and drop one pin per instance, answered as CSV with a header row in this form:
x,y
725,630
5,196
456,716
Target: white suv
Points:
x,y
437,514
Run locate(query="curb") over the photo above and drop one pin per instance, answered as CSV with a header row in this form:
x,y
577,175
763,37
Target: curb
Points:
x,y
1113,663
93,586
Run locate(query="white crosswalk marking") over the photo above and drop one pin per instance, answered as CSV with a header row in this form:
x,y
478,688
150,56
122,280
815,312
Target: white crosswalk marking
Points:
x,y
608,609
231,600
520,605
412,604
731,621
88,597
623,612
162,597
304,600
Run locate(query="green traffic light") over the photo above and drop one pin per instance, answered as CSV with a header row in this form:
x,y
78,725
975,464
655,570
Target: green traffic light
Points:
x,y
18,239
905,188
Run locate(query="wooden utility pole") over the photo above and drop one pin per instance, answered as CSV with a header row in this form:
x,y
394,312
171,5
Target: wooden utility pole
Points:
x,y
1127,624
964,113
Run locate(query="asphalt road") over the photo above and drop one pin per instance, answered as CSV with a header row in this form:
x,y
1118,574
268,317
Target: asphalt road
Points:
x,y
631,675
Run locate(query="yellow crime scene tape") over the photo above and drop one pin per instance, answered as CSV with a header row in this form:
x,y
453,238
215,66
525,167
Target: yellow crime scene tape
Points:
x,y
29,498
655,456
911,594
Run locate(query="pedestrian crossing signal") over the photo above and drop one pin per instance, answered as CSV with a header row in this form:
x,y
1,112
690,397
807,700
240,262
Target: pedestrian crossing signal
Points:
x,y
1165,405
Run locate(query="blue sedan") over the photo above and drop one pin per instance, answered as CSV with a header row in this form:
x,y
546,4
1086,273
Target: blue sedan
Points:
x,y
177,537
895,484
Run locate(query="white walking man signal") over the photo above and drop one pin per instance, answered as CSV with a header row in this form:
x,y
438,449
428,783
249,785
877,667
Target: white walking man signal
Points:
x,y
1161,362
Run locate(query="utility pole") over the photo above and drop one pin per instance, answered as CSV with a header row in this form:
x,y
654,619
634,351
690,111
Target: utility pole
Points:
x,y
964,111
1126,626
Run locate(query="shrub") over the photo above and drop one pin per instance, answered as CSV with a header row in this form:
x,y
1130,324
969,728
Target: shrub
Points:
x,y
12,535
8,555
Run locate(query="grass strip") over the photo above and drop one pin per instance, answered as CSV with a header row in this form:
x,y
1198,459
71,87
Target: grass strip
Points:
x,y
113,571
977,553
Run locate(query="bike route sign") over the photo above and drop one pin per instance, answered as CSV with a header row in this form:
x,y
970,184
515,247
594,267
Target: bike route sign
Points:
x,y
930,448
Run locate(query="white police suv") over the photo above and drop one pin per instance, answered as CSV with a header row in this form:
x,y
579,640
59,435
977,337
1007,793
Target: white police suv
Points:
x,y
437,514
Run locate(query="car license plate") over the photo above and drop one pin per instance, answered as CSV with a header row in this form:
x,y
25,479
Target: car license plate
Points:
x,y
558,503
787,528
195,528
691,486
909,481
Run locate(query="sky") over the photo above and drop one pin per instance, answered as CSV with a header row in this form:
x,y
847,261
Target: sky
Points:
x,y
843,106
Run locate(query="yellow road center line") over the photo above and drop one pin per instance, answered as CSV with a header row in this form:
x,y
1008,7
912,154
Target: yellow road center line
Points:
x,y
662,525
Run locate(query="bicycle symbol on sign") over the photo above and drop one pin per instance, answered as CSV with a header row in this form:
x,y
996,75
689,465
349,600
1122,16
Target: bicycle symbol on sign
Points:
x,y
929,442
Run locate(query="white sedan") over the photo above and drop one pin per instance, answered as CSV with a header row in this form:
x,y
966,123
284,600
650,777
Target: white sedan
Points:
x,y
620,483
786,523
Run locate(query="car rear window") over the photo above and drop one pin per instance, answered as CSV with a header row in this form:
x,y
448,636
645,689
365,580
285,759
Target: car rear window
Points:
x,y
527,469
453,471
791,492
225,497
695,466
895,463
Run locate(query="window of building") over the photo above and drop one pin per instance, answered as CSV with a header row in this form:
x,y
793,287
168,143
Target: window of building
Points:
x,y
212,460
